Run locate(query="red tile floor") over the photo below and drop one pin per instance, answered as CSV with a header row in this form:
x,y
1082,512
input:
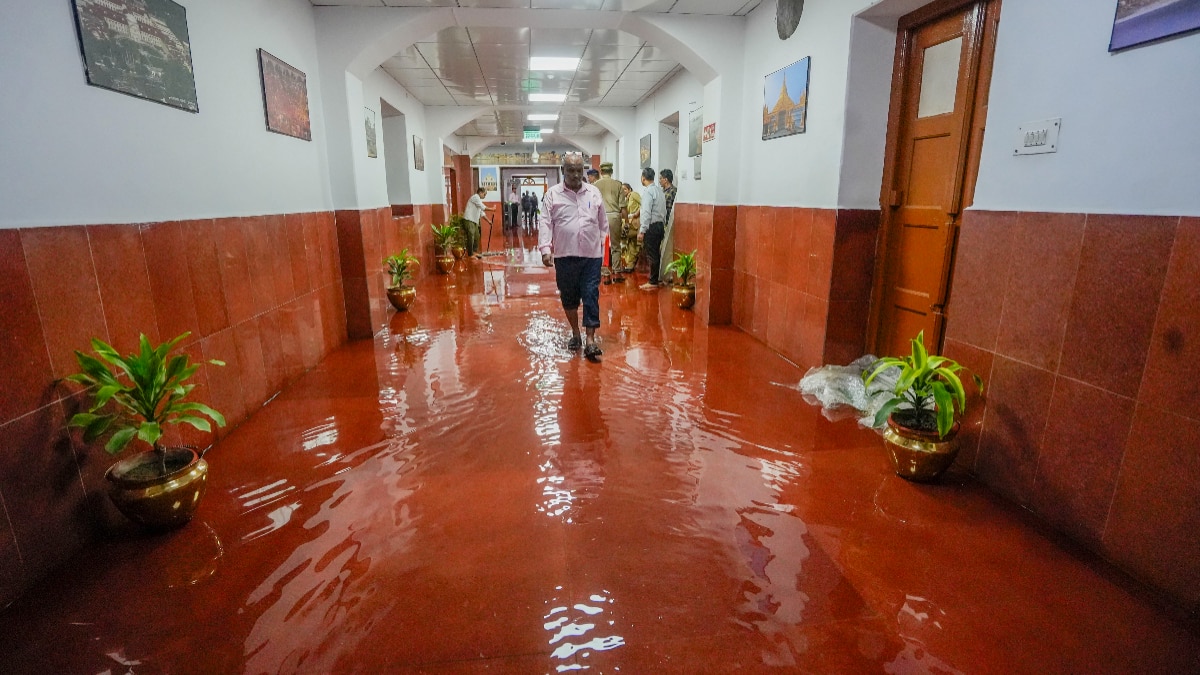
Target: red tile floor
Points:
x,y
462,494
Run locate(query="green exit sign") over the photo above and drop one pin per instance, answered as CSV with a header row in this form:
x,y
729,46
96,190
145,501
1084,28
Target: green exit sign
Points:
x,y
533,135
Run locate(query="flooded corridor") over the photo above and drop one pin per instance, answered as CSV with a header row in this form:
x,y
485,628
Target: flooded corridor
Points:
x,y
463,494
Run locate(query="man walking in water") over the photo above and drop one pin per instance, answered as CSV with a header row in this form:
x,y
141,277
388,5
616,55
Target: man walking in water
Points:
x,y
571,239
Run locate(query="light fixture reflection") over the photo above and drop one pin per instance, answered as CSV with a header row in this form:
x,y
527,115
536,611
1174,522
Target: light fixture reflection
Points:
x,y
553,63
547,98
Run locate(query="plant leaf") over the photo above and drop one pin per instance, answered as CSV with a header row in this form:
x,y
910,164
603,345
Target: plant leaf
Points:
x,y
886,411
198,422
119,440
149,432
945,408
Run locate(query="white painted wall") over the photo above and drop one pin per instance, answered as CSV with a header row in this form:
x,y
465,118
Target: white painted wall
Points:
x,y
372,172
75,154
394,135
1130,142
802,169
682,94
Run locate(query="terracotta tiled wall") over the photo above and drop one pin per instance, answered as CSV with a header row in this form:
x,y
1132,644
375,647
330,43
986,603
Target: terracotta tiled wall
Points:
x,y
709,230
262,294
365,238
1087,330
802,280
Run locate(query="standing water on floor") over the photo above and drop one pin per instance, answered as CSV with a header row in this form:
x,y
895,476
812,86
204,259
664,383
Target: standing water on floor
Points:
x,y
463,493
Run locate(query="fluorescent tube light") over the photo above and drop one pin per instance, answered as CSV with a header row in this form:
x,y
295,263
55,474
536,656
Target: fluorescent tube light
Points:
x,y
547,98
543,117
547,130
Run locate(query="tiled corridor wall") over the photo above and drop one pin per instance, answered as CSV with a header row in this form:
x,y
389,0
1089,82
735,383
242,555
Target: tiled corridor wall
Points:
x,y
365,238
802,280
1087,330
261,293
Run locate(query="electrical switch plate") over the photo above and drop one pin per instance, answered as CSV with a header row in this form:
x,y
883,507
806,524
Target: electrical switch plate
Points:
x,y
1036,138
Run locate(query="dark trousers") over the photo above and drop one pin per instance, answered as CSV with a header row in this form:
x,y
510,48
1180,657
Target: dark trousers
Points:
x,y
652,243
578,280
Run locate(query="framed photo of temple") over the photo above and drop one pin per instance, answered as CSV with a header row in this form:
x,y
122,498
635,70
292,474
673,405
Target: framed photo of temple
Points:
x,y
138,47
785,101
285,97
1141,21
644,151
418,153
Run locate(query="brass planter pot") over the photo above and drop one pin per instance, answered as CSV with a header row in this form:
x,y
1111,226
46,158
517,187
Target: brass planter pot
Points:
x,y
685,296
445,262
402,297
162,502
920,455
459,252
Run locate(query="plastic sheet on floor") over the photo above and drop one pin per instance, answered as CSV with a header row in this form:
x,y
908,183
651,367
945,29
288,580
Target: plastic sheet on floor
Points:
x,y
840,392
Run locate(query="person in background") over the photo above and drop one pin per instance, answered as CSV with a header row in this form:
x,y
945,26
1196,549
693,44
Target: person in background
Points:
x,y
473,214
571,239
614,200
593,176
514,207
631,244
531,214
666,181
652,225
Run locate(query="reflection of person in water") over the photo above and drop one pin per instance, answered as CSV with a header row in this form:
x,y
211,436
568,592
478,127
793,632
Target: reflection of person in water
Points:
x,y
575,466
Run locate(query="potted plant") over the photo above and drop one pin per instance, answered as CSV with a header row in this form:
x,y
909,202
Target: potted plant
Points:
x,y
458,247
443,238
684,291
922,414
138,396
401,267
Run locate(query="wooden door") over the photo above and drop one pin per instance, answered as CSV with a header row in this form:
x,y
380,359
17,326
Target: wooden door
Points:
x,y
937,88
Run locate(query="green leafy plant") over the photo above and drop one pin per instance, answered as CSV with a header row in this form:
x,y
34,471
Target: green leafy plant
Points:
x,y
144,392
684,266
401,266
444,236
929,392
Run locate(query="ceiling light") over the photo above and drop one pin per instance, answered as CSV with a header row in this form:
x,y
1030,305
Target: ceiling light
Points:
x,y
543,117
547,98
553,63
547,130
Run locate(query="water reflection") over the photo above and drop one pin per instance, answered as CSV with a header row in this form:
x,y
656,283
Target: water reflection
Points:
x,y
569,625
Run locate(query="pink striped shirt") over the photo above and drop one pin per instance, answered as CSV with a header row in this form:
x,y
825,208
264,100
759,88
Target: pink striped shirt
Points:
x,y
573,223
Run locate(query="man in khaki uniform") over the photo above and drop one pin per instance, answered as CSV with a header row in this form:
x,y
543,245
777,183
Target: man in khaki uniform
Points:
x,y
614,201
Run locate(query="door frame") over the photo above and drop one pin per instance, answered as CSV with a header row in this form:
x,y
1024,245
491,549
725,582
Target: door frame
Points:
x,y
980,60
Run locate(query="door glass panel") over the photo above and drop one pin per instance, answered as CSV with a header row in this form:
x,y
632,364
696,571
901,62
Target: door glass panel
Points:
x,y
939,78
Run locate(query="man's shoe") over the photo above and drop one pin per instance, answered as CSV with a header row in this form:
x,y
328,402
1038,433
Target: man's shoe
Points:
x,y
592,352
574,343
649,287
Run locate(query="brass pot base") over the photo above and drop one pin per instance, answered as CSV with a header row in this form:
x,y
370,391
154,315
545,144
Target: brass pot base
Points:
x,y
160,503
917,456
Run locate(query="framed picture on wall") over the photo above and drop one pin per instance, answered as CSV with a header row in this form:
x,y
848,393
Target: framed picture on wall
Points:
x,y
138,47
644,151
695,129
1141,21
369,124
418,154
285,97
785,101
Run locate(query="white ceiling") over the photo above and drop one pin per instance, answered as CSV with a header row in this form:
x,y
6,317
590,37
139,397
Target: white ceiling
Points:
x,y
489,66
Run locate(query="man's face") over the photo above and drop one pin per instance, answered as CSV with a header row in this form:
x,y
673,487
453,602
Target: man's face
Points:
x,y
573,173
662,182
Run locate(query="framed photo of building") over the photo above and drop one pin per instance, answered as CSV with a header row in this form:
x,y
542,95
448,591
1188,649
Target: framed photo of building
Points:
x,y
285,97
138,47
644,151
1141,21
369,124
418,153
785,100
695,129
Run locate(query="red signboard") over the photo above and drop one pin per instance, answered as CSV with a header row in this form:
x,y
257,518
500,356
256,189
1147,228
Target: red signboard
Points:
x,y
710,132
